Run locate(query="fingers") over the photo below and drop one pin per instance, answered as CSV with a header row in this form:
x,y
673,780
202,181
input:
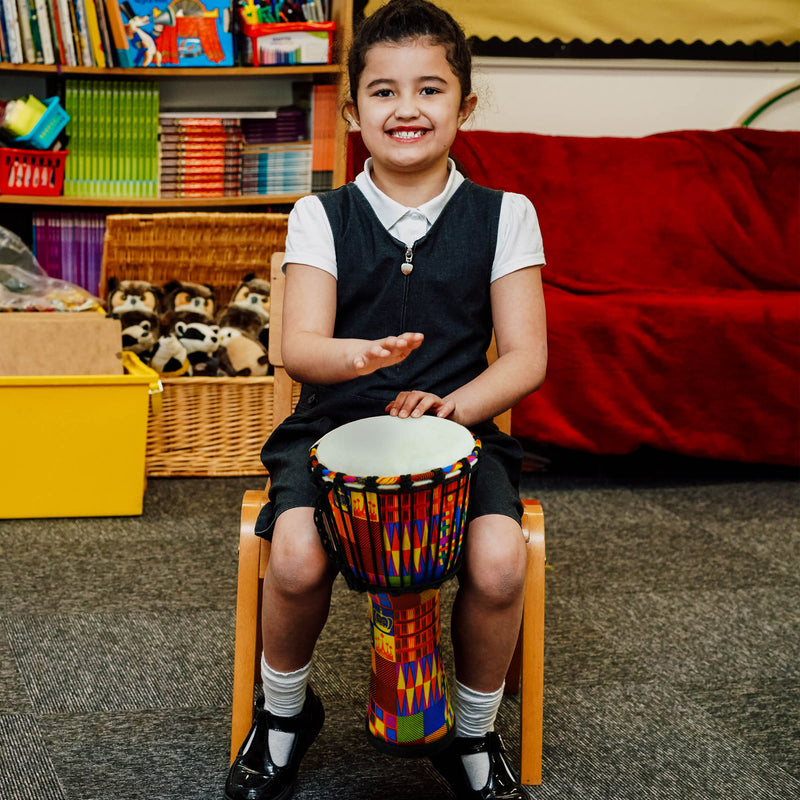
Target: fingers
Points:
x,y
415,404
386,352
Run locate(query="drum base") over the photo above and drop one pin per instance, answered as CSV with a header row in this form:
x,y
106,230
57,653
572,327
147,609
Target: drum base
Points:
x,y
423,750
409,712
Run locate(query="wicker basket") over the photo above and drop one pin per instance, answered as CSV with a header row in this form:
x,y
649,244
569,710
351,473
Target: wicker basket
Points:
x,y
211,426
208,426
218,249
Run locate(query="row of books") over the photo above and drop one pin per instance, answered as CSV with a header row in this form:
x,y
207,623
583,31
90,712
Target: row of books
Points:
x,y
113,138
201,155
157,33
88,33
122,146
69,245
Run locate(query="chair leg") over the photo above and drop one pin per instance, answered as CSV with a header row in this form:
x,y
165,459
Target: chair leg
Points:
x,y
533,647
247,622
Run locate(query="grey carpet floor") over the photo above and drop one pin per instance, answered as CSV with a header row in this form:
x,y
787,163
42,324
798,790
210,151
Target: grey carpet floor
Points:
x,y
672,645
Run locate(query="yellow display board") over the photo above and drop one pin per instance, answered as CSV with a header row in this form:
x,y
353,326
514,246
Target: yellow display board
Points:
x,y
689,21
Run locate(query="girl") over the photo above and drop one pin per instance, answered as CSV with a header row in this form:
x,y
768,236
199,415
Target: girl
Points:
x,y
394,284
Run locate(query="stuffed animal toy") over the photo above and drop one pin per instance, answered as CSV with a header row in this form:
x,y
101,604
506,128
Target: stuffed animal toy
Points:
x,y
248,309
169,358
132,296
242,355
188,302
201,342
139,330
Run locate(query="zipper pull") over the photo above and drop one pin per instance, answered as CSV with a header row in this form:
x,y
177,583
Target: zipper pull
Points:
x,y
406,267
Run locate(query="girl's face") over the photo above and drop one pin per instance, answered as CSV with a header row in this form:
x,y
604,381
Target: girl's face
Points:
x,y
409,107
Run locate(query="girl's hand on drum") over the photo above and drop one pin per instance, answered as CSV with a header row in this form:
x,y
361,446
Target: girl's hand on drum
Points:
x,y
385,352
415,404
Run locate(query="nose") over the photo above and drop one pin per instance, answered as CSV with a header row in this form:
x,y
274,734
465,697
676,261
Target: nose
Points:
x,y
406,107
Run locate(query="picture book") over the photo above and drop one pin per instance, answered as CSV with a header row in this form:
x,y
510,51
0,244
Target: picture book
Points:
x,y
180,33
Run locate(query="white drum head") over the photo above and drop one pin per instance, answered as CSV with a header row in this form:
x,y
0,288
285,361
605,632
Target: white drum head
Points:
x,y
387,446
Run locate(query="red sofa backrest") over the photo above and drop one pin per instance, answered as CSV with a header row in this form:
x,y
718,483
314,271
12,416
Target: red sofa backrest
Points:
x,y
688,210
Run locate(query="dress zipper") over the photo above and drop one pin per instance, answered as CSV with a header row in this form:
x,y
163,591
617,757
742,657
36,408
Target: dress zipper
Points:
x,y
406,267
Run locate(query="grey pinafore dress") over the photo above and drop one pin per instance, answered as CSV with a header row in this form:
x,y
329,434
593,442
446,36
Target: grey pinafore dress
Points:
x,y
446,297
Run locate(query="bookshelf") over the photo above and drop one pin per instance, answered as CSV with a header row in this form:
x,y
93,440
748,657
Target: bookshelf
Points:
x,y
212,83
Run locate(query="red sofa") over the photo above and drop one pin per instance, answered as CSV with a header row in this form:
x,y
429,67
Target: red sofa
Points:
x,y
672,287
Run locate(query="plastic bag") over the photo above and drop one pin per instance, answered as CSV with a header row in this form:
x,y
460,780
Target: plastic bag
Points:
x,y
25,286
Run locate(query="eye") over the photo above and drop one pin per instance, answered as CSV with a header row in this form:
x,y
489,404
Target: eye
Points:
x,y
383,93
430,90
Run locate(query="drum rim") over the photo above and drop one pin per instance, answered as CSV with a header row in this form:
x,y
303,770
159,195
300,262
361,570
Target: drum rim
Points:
x,y
392,482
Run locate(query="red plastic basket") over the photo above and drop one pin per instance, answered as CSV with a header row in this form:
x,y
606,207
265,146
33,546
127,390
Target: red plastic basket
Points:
x,y
32,172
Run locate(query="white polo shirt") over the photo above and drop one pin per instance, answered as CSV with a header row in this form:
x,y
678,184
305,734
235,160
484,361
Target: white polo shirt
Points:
x,y
310,241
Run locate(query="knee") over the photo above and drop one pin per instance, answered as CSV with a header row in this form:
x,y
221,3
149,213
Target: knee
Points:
x,y
298,564
494,567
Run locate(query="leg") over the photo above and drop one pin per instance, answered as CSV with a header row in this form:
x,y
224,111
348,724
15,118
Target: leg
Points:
x,y
296,600
488,607
485,626
296,593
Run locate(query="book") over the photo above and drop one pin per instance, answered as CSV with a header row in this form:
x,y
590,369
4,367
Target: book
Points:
x,y
16,54
36,39
45,38
82,29
93,31
105,33
198,37
118,35
55,32
24,17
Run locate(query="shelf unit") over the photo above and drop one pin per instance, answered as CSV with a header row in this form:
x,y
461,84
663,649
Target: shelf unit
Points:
x,y
341,14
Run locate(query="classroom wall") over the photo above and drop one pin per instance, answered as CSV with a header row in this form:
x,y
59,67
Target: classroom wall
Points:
x,y
628,98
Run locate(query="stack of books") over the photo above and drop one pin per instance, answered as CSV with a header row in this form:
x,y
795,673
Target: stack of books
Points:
x,y
113,139
276,155
117,33
74,33
324,100
69,245
201,156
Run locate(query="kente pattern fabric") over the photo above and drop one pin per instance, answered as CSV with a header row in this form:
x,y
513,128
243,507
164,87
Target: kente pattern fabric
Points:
x,y
409,712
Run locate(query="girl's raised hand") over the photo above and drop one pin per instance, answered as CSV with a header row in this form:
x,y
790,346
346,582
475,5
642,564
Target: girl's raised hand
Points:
x,y
385,352
415,404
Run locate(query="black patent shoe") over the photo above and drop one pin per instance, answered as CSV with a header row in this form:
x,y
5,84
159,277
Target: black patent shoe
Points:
x,y
502,784
252,775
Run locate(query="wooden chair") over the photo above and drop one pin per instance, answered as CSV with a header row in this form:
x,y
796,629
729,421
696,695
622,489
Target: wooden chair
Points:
x,y
528,662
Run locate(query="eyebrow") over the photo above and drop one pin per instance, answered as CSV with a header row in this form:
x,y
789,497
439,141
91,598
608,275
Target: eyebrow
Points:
x,y
421,79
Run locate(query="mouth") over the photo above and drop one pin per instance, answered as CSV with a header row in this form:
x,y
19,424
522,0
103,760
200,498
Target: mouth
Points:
x,y
407,134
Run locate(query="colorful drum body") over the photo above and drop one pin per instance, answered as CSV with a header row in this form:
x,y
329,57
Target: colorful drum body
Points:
x,y
392,531
398,535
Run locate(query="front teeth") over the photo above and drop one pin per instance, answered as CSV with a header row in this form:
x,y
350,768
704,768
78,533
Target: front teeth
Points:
x,y
408,134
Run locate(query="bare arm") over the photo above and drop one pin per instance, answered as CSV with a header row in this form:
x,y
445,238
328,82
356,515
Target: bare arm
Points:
x,y
520,329
310,353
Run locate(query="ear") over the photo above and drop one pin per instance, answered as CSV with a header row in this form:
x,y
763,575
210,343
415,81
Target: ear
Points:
x,y
467,107
351,111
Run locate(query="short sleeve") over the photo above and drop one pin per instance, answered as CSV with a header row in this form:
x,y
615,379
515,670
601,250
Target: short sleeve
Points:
x,y
519,239
309,239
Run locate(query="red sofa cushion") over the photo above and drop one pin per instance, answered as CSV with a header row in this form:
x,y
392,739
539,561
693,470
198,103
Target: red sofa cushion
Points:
x,y
713,375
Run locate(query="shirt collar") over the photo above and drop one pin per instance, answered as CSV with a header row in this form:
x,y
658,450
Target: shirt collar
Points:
x,y
389,211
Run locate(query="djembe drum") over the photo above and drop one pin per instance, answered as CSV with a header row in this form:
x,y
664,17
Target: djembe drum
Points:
x,y
393,497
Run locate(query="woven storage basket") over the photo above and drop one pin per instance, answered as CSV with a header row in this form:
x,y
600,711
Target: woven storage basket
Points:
x,y
214,248
211,426
208,426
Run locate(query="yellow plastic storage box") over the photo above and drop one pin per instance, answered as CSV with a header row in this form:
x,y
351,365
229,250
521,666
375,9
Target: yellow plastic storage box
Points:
x,y
74,445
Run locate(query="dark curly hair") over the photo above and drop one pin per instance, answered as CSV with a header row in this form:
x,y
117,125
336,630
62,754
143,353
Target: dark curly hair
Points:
x,y
401,20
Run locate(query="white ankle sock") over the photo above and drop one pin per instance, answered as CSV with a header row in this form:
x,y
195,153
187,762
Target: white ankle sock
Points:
x,y
475,715
284,696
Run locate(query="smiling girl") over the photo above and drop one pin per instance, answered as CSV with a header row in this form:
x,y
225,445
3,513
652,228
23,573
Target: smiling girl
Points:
x,y
394,285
